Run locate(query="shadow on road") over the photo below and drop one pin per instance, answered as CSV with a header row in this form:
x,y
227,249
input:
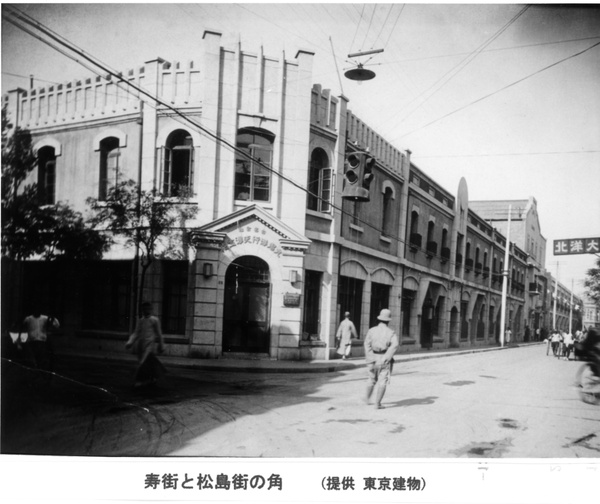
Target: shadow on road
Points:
x,y
412,402
91,408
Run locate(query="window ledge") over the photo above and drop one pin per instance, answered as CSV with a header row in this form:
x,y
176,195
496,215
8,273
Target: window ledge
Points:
x,y
262,204
320,215
175,201
356,228
385,239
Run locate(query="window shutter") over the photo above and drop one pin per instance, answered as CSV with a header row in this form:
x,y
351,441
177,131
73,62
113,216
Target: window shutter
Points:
x,y
326,176
160,166
50,182
191,170
113,165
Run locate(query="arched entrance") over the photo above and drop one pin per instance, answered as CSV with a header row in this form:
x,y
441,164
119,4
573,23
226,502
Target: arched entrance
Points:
x,y
247,306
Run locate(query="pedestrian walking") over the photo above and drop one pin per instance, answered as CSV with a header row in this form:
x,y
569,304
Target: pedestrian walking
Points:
x,y
346,331
38,343
555,342
568,346
507,335
145,341
381,344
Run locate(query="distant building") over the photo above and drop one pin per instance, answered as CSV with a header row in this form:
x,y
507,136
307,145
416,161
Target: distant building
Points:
x,y
276,255
591,313
525,232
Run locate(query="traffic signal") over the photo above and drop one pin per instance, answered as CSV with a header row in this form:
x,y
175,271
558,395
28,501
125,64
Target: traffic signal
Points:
x,y
358,175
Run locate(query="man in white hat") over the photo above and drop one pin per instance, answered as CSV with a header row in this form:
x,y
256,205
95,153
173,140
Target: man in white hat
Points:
x,y
381,344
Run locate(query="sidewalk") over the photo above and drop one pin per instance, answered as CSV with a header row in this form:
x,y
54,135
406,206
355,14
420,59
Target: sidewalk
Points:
x,y
281,366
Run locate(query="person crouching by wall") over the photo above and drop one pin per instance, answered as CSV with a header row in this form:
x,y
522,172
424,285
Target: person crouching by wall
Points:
x,y
144,342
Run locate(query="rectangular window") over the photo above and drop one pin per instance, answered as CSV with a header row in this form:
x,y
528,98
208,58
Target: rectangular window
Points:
x,y
380,299
332,114
253,172
408,297
314,106
312,302
106,300
350,298
175,285
323,111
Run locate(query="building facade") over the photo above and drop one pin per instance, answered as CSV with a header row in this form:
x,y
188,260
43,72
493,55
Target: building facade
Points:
x,y
276,254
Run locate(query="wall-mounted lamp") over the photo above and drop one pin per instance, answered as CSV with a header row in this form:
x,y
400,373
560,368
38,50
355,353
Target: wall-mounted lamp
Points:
x,y
293,276
207,270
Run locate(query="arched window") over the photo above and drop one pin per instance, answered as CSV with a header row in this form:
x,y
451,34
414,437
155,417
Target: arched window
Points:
x,y
415,236
386,214
431,244
319,182
430,231
178,164
46,160
109,166
253,171
414,222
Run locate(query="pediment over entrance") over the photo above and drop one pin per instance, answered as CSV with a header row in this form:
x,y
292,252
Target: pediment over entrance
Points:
x,y
251,225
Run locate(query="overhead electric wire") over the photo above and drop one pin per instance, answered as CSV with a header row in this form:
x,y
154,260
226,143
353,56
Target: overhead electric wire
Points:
x,y
453,72
383,24
63,41
446,156
501,89
369,27
358,25
509,48
394,27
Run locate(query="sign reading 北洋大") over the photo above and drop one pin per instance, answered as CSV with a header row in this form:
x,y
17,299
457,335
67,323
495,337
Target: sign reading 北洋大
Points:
x,y
577,246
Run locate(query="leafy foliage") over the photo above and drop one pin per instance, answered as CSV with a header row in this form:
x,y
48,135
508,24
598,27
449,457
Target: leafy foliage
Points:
x,y
144,218
592,283
29,227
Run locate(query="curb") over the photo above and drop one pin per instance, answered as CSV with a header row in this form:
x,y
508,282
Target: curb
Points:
x,y
268,366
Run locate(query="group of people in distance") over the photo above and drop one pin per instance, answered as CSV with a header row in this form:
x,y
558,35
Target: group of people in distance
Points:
x,y
584,345
33,341
562,344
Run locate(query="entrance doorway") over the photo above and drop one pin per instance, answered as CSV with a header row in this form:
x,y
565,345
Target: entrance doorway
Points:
x,y
247,306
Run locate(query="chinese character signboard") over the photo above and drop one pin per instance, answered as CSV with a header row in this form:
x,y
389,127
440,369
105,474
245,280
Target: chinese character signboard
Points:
x,y
577,246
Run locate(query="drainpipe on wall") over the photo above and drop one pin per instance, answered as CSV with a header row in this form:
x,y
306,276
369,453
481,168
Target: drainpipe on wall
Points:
x,y
133,308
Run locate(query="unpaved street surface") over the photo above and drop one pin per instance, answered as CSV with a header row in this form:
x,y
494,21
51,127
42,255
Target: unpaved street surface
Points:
x,y
511,403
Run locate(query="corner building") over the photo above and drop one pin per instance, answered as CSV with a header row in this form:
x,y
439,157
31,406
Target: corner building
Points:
x,y
275,256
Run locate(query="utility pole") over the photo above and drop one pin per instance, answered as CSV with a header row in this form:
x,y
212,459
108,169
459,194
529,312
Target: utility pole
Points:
x,y
505,281
571,310
555,298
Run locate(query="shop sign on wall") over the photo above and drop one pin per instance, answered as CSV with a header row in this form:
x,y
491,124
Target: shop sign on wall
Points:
x,y
291,299
253,235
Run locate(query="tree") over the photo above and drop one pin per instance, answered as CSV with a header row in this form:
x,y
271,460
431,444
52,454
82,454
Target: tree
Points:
x,y
592,283
29,227
148,221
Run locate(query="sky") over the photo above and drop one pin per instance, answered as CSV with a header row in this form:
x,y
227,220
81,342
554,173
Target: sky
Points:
x,y
505,95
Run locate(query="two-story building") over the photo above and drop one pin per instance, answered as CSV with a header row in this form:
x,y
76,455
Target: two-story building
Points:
x,y
275,254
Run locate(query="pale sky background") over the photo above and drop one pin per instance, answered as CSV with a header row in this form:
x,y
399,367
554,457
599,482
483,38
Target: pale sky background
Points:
x,y
438,90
